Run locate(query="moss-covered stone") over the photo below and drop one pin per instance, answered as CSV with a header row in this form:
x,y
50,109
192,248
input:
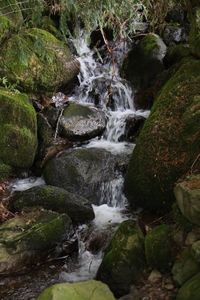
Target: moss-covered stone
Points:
x,y
158,247
190,290
5,28
37,61
195,250
187,194
176,53
55,199
169,141
124,259
11,9
185,267
6,171
26,237
18,129
93,290
144,62
181,222
194,37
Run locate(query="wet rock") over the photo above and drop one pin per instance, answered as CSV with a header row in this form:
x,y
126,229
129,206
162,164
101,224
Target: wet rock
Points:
x,y
194,36
190,290
163,152
187,195
133,127
91,289
174,33
55,199
18,129
124,259
28,237
37,61
185,267
158,247
144,61
81,122
82,171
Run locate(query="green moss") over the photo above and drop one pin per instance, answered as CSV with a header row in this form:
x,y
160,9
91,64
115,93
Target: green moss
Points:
x,y
124,259
180,220
149,45
37,61
158,247
194,37
6,171
5,27
190,290
176,53
163,152
11,9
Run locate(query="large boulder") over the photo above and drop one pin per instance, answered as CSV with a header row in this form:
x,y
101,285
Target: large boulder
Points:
x,y
28,237
18,129
194,37
91,289
144,62
81,122
37,61
82,171
55,199
190,290
124,259
163,152
159,247
187,194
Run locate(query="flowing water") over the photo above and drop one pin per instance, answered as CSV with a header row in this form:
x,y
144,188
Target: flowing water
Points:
x,y
100,85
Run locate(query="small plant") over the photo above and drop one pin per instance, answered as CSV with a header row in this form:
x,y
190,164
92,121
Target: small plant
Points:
x,y
7,85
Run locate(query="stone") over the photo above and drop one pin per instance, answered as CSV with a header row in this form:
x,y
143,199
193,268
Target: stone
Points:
x,y
163,152
190,290
176,53
18,129
174,33
185,267
187,194
55,199
158,247
123,261
195,251
82,122
155,276
27,238
82,171
91,289
37,61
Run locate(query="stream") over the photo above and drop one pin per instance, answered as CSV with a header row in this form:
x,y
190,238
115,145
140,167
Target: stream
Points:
x,y
100,85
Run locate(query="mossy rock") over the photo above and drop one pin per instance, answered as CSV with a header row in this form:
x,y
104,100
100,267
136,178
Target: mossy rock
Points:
x,y
144,62
158,248
6,27
190,290
194,37
187,194
124,259
176,53
91,289
55,199
163,152
18,129
182,222
37,61
26,238
11,9
195,250
185,267
6,171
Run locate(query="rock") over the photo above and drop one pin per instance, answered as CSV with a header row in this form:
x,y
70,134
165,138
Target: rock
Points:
x,y
174,33
180,221
133,127
176,15
37,61
155,276
28,237
91,289
55,199
187,195
6,171
158,247
18,129
5,28
163,151
82,171
192,236
11,9
124,259
144,61
195,251
184,267
190,290
81,122
176,53
194,36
